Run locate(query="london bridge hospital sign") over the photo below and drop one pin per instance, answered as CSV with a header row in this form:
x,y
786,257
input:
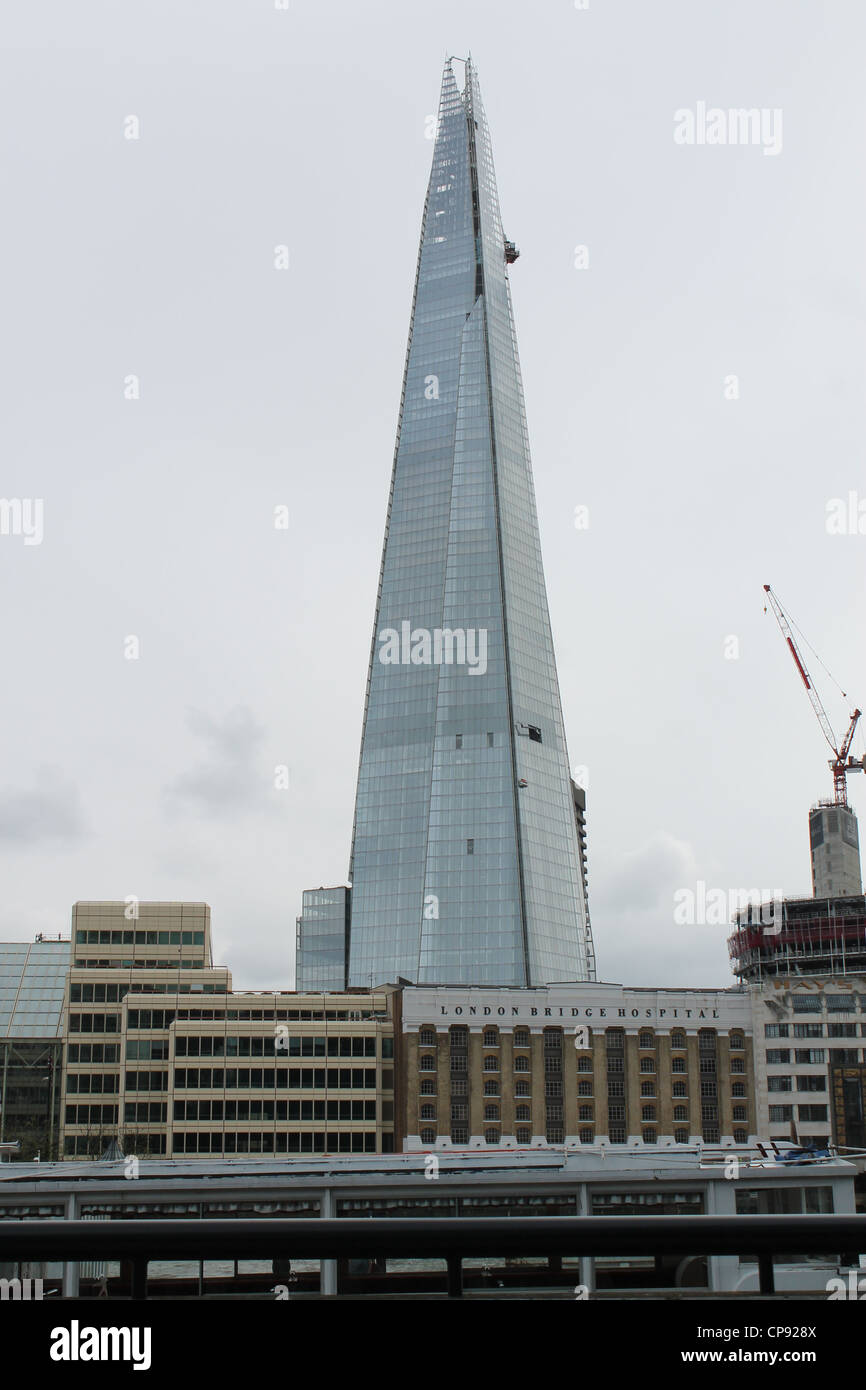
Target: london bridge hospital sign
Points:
x,y
423,1005
563,1011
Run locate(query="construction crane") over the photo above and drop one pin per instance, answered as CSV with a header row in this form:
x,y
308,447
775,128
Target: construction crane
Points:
x,y
840,763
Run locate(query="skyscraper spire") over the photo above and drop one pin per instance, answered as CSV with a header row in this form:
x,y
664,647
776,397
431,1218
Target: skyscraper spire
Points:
x,y
465,858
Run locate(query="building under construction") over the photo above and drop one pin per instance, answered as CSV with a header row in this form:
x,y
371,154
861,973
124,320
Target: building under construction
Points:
x,y
802,936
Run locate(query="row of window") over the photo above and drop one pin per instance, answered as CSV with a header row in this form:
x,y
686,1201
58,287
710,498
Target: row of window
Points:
x,y
281,1143
140,936
777,1056
554,1135
804,1083
274,1110
522,1038
814,1030
193,963
460,1086
93,1052
427,1062
781,1113
237,1045
460,1111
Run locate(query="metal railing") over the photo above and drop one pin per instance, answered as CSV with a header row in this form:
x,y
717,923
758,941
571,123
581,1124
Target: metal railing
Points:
x,y
448,1238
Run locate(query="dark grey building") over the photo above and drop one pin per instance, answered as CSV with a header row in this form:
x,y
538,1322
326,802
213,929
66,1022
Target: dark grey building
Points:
x,y
32,985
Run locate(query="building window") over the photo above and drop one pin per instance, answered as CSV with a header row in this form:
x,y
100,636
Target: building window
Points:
x,y
738,1064
524,1136
491,1088
616,1113
459,1135
740,1112
678,1039
534,733
681,1112
779,1114
648,1112
584,1112
678,1064
779,1083
428,1136
428,1112
521,1038
584,1064
681,1136
491,1112
427,1063
738,1088
778,1056
521,1112
616,1134
811,1083
584,1088
521,1064
491,1064
521,1088
491,1037
616,1088
775,1030
647,1063
736,1042
649,1136
428,1087
679,1088
648,1088
427,1037
489,740
711,1134
553,1088
459,1111
812,1112
646,1040
470,846
459,1086
555,1134
740,1136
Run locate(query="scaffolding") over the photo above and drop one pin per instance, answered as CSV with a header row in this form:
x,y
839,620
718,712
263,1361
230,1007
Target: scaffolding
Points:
x,y
807,936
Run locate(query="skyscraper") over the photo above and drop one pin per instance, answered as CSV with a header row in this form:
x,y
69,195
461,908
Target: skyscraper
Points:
x,y
466,863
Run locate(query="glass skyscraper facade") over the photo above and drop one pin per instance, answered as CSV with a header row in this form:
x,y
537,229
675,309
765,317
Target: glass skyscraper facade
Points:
x,y
321,940
465,859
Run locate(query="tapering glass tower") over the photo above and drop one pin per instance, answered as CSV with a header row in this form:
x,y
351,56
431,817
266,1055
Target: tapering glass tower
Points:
x,y
465,857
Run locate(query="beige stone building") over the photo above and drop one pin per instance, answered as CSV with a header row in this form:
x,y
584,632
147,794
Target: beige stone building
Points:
x,y
163,1057
576,1064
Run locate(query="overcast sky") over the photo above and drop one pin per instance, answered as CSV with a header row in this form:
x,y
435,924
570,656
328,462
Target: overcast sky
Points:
x,y
260,387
